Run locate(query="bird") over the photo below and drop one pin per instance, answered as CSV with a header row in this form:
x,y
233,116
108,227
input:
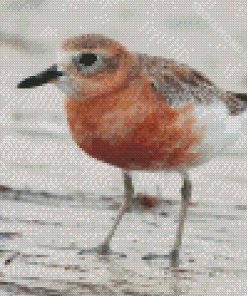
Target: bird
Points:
x,y
142,113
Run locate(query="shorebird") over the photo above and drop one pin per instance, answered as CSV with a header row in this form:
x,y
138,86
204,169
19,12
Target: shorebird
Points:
x,y
140,112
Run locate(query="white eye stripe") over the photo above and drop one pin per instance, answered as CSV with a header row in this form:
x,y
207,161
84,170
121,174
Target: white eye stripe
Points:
x,y
65,57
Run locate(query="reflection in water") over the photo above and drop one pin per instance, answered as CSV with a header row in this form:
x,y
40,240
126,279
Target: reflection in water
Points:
x,y
44,242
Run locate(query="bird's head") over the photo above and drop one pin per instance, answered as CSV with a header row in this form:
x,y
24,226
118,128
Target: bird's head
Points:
x,y
87,66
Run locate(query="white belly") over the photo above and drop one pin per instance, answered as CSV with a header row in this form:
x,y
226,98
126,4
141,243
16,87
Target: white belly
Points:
x,y
221,129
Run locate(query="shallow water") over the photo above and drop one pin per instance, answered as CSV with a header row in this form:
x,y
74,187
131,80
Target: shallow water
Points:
x,y
48,231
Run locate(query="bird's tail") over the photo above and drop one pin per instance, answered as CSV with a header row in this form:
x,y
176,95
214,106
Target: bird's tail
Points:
x,y
242,97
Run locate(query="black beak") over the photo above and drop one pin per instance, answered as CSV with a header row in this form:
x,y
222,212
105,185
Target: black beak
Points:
x,y
51,73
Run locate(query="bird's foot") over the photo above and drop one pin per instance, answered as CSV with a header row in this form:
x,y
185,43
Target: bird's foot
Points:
x,y
173,257
100,250
152,256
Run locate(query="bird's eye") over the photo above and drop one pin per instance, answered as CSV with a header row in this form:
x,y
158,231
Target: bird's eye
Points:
x,y
87,62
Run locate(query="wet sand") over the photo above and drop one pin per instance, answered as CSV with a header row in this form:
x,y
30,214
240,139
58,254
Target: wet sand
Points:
x,y
47,231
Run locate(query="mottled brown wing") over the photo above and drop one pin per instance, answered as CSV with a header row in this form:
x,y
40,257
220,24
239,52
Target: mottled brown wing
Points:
x,y
178,83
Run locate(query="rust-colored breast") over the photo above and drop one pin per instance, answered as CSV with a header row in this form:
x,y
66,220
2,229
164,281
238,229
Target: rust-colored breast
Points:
x,y
134,130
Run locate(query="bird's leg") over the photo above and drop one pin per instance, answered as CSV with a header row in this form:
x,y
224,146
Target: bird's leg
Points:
x,y
104,248
186,195
126,207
